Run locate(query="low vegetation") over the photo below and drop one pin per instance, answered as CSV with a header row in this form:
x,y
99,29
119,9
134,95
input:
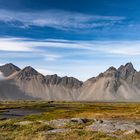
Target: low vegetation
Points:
x,y
34,127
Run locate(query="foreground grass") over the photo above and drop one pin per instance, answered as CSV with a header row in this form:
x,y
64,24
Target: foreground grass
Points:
x,y
10,130
37,131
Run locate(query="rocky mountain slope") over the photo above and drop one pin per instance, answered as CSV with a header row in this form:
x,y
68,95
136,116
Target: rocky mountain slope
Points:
x,y
9,69
28,83
122,84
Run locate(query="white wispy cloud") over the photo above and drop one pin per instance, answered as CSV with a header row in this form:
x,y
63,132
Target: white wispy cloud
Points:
x,y
13,44
130,48
126,48
52,57
22,44
57,19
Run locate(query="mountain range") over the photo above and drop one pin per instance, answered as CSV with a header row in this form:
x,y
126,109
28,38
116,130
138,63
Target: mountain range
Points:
x,y
122,84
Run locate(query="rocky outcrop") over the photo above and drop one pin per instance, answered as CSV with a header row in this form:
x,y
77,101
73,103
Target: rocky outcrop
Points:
x,y
113,85
69,82
9,69
109,127
136,80
28,74
53,79
127,72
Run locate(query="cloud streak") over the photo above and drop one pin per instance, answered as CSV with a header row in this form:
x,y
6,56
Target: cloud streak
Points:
x,y
128,48
13,44
58,19
52,57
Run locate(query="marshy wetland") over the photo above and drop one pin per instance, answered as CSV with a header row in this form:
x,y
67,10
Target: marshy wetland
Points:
x,y
42,120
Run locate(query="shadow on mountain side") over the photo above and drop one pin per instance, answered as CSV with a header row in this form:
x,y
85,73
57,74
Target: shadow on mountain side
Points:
x,y
9,91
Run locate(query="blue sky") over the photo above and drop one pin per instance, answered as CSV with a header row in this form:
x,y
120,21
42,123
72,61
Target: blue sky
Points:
x,y
79,38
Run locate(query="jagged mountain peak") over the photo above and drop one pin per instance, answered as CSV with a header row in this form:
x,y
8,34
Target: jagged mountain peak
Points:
x,y
127,66
53,79
111,72
111,69
63,81
52,76
126,70
10,64
9,69
30,70
114,84
71,82
29,73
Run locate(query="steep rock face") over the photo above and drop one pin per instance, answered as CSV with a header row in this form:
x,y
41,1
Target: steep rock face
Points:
x,y
9,69
63,88
127,72
28,74
31,82
136,80
69,82
102,87
9,87
53,79
113,85
51,87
